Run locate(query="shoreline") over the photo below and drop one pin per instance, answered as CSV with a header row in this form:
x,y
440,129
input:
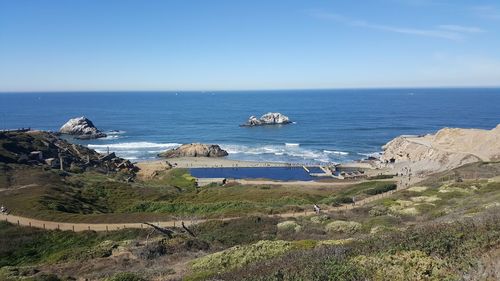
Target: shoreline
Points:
x,y
149,168
222,162
211,162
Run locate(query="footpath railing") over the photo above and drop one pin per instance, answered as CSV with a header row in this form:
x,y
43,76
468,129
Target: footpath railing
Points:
x,y
51,225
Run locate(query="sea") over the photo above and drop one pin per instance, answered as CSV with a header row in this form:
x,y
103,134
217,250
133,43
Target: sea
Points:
x,y
329,126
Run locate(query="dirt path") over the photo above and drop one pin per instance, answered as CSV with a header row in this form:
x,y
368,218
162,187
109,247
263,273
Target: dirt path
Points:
x,y
24,221
18,187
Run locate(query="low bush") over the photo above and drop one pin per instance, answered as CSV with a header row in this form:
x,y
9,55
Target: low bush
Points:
x,y
348,227
381,189
27,246
381,177
239,256
289,226
401,266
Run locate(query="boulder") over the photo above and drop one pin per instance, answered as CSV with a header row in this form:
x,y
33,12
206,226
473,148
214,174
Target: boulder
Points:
x,y
195,150
81,128
271,118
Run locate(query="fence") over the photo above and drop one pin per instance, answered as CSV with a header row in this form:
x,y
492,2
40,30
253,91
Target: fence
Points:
x,y
50,225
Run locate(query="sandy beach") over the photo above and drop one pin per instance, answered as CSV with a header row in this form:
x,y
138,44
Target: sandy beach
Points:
x,y
208,162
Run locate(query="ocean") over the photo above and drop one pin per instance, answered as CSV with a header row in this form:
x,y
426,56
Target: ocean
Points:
x,y
329,125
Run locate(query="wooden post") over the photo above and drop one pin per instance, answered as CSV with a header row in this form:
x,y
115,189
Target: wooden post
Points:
x,y
30,224
61,163
106,228
43,226
17,222
58,227
89,227
73,228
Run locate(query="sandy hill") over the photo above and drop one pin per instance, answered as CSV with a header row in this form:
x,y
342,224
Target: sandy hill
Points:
x,y
448,148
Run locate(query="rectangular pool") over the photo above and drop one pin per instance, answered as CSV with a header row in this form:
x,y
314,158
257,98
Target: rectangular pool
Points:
x,y
273,173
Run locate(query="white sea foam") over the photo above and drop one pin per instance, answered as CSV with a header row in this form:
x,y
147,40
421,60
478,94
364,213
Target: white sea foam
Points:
x,y
277,153
109,137
289,152
134,150
336,152
119,132
372,154
131,145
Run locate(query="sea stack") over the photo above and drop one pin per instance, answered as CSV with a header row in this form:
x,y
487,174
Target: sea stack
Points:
x,y
195,150
271,118
81,128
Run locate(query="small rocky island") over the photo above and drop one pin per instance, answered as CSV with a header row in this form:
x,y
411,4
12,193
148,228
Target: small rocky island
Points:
x,y
81,128
271,118
195,150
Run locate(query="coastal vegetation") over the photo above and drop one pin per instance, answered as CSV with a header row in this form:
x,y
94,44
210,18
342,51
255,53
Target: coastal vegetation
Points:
x,y
418,232
92,196
446,227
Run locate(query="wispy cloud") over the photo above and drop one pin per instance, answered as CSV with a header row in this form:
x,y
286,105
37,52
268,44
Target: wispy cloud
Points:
x,y
450,32
461,29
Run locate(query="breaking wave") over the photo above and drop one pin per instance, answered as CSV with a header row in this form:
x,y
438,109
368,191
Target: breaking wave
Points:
x,y
282,153
286,152
134,150
335,152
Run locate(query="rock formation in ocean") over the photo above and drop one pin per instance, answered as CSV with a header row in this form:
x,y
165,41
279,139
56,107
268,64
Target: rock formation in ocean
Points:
x,y
447,149
271,118
195,150
81,128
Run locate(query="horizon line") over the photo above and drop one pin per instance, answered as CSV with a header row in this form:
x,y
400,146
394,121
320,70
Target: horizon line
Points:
x,y
255,90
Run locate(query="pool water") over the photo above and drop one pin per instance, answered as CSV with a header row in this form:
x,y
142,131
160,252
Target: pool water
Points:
x,y
274,173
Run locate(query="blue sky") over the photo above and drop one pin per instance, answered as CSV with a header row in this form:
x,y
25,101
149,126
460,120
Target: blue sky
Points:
x,y
260,44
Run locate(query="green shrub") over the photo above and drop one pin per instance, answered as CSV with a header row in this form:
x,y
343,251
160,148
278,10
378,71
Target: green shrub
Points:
x,y
239,256
381,189
381,177
337,201
407,265
289,226
343,226
378,210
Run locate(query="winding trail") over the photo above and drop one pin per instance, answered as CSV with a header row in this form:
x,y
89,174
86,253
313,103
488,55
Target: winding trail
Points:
x,y
51,225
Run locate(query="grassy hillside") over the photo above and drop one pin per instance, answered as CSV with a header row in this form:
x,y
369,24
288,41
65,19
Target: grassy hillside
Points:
x,y
96,197
445,228
440,230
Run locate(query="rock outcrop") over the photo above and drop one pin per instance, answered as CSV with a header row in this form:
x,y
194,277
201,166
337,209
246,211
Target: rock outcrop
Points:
x,y
195,150
448,148
81,128
39,148
271,118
